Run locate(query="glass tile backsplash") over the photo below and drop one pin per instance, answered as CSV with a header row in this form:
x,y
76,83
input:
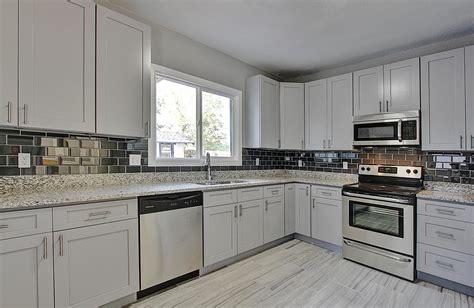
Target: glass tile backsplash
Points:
x,y
62,153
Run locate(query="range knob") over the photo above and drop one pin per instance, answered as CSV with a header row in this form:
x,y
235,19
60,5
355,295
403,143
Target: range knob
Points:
x,y
408,171
368,168
363,168
415,171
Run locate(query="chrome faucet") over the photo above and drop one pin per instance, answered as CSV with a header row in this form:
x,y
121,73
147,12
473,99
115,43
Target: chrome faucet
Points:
x,y
208,164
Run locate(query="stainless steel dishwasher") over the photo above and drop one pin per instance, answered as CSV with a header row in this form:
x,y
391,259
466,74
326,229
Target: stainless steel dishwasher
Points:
x,y
170,240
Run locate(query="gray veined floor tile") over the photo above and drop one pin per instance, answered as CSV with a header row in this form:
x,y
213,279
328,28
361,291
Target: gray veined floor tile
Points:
x,y
297,274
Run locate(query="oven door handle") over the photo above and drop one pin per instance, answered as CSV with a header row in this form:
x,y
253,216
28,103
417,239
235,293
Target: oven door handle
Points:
x,y
400,130
371,197
377,252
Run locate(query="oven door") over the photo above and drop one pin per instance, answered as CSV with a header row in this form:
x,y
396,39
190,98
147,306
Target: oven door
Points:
x,y
385,224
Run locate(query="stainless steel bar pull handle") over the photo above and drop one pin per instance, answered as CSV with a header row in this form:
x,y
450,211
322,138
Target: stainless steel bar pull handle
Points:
x,y
25,114
9,116
307,190
472,143
241,210
314,203
45,248
266,205
387,107
4,226
329,143
324,143
235,211
445,235
61,245
380,104
445,212
443,264
302,144
460,142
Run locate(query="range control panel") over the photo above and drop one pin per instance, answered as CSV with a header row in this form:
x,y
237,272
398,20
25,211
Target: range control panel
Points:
x,y
394,171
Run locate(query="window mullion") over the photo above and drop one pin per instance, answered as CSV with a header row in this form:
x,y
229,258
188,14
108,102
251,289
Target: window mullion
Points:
x,y
199,122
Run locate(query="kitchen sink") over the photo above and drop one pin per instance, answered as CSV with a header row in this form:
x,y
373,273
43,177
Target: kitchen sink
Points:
x,y
209,183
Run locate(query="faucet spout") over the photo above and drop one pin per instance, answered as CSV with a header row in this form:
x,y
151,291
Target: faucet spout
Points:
x,y
208,164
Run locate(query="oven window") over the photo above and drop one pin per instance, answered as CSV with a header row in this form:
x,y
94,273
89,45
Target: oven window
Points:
x,y
377,218
376,131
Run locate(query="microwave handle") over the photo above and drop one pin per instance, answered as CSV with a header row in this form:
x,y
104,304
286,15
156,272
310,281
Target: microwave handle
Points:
x,y
400,130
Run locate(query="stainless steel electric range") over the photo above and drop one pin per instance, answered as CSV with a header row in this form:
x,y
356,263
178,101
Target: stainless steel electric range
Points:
x,y
378,218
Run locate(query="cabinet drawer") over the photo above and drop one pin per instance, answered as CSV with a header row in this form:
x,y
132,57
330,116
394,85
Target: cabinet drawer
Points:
x,y
67,217
273,191
326,192
444,263
447,210
220,197
250,193
450,234
28,222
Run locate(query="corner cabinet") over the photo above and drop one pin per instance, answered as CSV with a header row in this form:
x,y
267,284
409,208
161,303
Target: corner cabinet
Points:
x,y
9,62
123,75
292,115
26,271
328,112
262,113
56,64
443,101
393,87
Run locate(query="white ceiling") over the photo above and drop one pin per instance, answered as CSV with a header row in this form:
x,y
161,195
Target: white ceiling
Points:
x,y
293,37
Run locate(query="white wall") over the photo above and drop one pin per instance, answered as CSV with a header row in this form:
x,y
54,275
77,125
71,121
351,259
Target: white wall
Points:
x,y
390,58
178,52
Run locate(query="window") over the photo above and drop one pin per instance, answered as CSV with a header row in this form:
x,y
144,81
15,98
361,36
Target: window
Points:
x,y
193,117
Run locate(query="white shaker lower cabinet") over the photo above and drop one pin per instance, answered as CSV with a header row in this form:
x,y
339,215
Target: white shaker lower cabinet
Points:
x,y
26,271
290,218
274,219
250,231
220,232
326,214
303,209
96,265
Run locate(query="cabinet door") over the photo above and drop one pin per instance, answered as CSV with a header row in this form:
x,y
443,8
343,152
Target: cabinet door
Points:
x,y
443,101
402,86
9,62
96,265
303,209
469,51
368,91
326,220
250,226
123,75
290,219
57,64
26,271
274,219
220,233
339,126
315,115
292,115
269,113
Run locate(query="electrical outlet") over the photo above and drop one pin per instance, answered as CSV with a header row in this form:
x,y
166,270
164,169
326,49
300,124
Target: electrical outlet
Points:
x,y
300,163
257,161
345,165
24,160
135,159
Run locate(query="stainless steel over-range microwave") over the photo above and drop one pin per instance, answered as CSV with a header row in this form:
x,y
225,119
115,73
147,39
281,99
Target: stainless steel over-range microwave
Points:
x,y
387,129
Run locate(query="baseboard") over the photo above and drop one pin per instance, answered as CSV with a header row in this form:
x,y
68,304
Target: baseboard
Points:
x,y
448,284
334,248
213,267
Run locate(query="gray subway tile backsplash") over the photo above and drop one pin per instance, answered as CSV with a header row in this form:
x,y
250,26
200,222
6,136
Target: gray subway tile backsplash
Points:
x,y
62,153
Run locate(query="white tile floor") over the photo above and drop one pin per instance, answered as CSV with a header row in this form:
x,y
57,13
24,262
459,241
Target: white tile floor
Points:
x,y
300,274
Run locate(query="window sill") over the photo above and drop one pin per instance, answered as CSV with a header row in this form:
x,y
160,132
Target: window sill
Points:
x,y
176,162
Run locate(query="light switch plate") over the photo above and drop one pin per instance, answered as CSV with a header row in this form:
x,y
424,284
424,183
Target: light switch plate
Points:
x,y
257,161
135,159
345,165
24,160
300,163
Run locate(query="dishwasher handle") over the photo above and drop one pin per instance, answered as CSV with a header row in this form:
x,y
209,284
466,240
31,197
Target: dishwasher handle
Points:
x,y
169,202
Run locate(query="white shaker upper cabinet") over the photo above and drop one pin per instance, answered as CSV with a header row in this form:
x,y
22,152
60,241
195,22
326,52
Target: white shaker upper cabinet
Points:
x,y
443,101
469,51
339,106
292,115
402,86
316,115
8,62
262,113
57,64
123,75
368,91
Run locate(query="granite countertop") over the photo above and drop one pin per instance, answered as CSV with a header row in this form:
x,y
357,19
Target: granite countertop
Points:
x,y
29,199
451,192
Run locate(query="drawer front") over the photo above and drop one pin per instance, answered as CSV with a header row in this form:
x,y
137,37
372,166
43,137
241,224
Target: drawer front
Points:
x,y
449,234
446,264
447,210
250,193
67,217
27,222
220,197
274,191
326,192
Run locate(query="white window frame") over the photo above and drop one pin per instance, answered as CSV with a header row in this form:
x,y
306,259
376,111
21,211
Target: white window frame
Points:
x,y
203,85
